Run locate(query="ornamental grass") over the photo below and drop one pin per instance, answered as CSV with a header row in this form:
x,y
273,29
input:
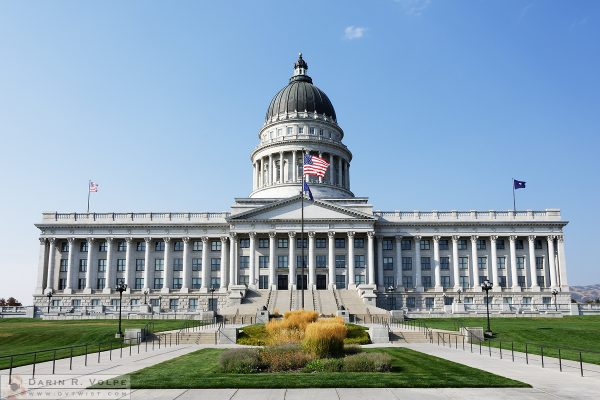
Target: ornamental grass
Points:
x,y
325,338
291,328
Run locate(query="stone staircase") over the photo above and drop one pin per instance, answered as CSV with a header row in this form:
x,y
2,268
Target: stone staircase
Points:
x,y
406,336
326,302
198,338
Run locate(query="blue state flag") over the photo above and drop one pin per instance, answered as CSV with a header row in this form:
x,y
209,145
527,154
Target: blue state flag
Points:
x,y
307,190
519,184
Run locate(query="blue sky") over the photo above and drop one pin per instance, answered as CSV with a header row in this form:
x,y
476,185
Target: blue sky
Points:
x,y
442,103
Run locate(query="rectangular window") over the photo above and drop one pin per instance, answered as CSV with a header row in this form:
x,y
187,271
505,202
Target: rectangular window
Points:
x,y
410,302
197,245
177,282
359,279
359,243
282,261
388,281
193,304
263,243
538,244
120,265
196,283
359,261
173,304
482,278
320,243
139,283
81,283
426,282
158,283
547,300
429,303
244,262
178,264
480,244
444,244
407,282
520,262
119,281
263,282
340,261
102,265
445,281
425,244
244,280
196,264
64,246
215,264
62,283
301,243
444,262
299,261
178,245
521,281
263,261
340,281
425,263
140,264
82,265
502,281
282,243
388,244
526,301
519,244
121,245
500,244
540,281
539,262
340,243
76,303
101,282
463,262
501,262
406,263
215,245
159,264
462,244
464,281
321,261
159,245
140,246
83,247
388,263
406,244
482,262
102,246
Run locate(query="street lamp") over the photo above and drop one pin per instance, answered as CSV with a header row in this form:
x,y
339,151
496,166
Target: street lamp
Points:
x,y
121,287
487,286
159,304
49,296
146,291
554,293
459,291
212,299
390,289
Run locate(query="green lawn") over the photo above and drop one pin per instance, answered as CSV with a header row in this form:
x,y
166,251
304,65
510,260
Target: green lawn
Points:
x,y
575,333
256,335
409,369
21,335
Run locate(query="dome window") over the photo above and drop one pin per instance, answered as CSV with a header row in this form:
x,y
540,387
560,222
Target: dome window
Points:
x,y
312,131
300,130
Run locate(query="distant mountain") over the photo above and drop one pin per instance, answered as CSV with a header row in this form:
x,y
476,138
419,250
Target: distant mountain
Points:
x,y
582,294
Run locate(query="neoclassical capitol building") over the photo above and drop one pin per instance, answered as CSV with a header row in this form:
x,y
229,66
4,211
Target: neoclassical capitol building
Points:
x,y
251,256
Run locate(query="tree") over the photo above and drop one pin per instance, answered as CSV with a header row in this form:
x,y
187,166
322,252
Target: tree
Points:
x,y
2,302
11,302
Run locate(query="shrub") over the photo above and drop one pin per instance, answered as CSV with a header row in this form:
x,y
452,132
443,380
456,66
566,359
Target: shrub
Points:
x,y
284,358
291,328
350,349
324,365
367,362
253,335
325,338
240,361
357,335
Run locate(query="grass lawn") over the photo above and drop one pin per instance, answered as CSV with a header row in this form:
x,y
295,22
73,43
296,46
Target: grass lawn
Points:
x,y
576,332
21,335
409,369
256,335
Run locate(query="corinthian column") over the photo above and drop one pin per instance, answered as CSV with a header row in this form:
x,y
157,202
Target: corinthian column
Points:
x,y
455,261
168,267
187,271
474,271
69,284
436,264
562,263
224,265
311,260
252,264
272,272
418,280
351,281
51,263
232,263
370,253
494,264
513,265
89,268
128,264
551,263
532,270
205,266
292,261
331,257
147,269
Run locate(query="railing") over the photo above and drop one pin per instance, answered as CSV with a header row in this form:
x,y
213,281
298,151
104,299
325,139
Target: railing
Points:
x,y
546,215
583,360
411,325
134,217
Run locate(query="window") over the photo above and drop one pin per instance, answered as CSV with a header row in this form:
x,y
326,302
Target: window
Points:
x,y
197,245
82,265
540,281
140,246
215,264
388,281
480,244
177,282
121,245
463,262
139,283
407,282
311,130
501,262
425,244
388,244
244,280
120,265
500,244
340,281
359,279
444,262
462,244
464,281
388,263
155,302
289,130
215,245
519,244
196,264
406,244
526,301
178,245
263,261
445,281
320,243
468,300
359,243
196,283
102,265
539,262
282,243
546,300
101,282
263,243
425,263
140,264
119,281
193,304
406,263
95,302
299,261
159,245
410,302
359,261
340,243
83,247
482,278
64,246
244,262
538,244
300,130
159,264
520,262
173,304
426,282
521,281
301,243
444,244
62,284
340,261
429,303
507,300
448,300
482,262
263,282
282,261
76,303
102,246
321,261
178,264
81,283
158,283
502,281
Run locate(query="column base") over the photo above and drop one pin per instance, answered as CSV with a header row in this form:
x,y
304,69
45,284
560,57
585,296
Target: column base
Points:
x,y
203,290
165,290
419,289
184,290
535,288
106,291
439,289
477,289
516,288
292,287
351,286
87,291
223,290
68,291
497,289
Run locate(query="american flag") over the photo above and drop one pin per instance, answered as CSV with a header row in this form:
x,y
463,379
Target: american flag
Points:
x,y
314,166
93,187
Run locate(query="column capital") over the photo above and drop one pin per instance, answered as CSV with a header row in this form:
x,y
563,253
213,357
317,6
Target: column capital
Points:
x,y
551,238
351,234
417,237
51,240
560,238
474,238
166,239
512,238
224,239
398,238
455,238
146,239
232,235
531,238
127,239
204,239
185,239
493,238
109,239
371,234
331,234
42,240
311,234
292,234
71,240
379,237
436,238
272,234
252,234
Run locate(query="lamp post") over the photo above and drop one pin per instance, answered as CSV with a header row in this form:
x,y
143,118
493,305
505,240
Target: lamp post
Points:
x,y
49,296
487,286
212,300
146,291
121,287
159,304
555,293
390,289
459,291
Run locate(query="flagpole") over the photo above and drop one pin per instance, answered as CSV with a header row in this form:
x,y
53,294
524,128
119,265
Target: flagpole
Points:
x,y
514,201
88,207
302,229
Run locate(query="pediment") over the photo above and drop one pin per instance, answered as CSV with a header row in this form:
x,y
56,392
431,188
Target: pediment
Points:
x,y
291,210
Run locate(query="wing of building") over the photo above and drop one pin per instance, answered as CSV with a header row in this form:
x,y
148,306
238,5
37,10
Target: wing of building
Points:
x,y
273,243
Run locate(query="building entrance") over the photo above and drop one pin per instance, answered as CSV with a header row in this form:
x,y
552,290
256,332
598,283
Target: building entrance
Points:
x,y
282,282
321,282
302,282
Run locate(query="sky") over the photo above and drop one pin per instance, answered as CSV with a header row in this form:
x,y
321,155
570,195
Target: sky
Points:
x,y
442,104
